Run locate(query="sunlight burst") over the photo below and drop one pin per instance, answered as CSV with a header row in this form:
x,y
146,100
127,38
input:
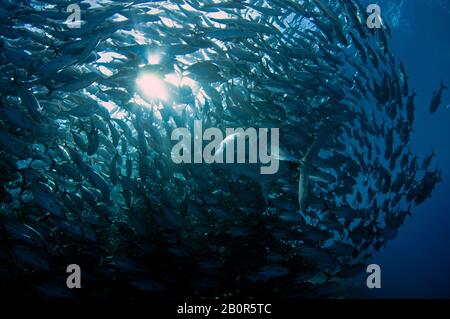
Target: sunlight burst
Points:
x,y
152,87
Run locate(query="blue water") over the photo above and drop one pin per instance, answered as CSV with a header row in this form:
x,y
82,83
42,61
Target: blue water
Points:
x,y
417,263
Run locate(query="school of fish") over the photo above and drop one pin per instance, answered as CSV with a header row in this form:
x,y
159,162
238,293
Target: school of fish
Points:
x,y
86,175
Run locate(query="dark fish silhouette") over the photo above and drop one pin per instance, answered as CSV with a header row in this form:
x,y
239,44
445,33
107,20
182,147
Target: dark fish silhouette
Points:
x,y
436,99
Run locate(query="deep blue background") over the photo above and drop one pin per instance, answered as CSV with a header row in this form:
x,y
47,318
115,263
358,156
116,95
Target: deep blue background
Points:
x,y
417,263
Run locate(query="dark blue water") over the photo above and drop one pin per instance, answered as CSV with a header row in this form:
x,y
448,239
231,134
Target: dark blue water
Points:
x,y
417,263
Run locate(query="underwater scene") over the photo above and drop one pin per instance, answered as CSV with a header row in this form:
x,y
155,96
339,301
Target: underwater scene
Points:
x,y
224,150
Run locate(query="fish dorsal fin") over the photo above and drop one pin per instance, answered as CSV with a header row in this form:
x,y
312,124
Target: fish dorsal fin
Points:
x,y
304,170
